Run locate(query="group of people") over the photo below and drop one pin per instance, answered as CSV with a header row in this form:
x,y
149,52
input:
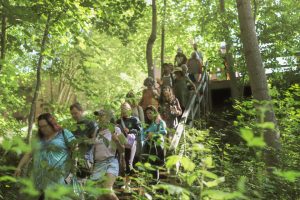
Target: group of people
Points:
x,y
96,150
99,150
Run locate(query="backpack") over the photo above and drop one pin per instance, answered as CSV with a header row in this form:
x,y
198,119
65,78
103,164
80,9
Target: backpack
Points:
x,y
131,136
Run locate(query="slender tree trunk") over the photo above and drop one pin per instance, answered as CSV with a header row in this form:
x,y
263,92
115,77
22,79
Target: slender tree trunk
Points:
x,y
51,88
151,41
258,80
65,97
69,96
61,93
228,57
162,53
3,38
38,79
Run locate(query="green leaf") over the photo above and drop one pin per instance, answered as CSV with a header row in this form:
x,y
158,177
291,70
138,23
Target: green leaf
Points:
x,y
288,175
28,187
252,141
214,182
191,179
266,125
8,178
208,162
187,164
172,160
247,134
257,142
220,195
241,184
209,174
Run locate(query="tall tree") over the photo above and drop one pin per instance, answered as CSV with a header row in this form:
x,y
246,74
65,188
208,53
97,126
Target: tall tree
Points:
x,y
162,51
3,37
38,78
258,80
151,40
228,55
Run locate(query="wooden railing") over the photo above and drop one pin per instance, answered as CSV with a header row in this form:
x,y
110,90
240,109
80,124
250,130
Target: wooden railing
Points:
x,y
199,100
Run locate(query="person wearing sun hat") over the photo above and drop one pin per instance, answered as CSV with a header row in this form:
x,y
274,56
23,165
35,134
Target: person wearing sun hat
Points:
x,y
181,87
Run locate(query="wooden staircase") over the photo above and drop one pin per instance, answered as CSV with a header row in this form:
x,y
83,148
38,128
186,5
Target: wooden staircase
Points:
x,y
198,108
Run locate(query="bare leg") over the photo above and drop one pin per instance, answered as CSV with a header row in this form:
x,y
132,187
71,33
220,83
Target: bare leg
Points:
x,y
108,184
132,154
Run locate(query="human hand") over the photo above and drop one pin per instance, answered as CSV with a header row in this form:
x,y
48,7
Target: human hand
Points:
x,y
115,137
126,130
150,135
68,180
17,173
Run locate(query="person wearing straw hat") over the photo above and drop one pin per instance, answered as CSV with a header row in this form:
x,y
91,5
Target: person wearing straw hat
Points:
x,y
181,87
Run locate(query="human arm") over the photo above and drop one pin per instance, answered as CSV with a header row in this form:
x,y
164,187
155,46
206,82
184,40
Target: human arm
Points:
x,y
157,127
156,93
117,139
200,71
176,109
190,83
24,160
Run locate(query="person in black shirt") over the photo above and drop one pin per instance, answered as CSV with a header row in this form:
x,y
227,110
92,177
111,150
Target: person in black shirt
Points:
x,y
85,133
131,128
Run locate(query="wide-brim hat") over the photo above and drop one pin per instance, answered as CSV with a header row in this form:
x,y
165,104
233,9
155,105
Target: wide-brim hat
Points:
x,y
177,69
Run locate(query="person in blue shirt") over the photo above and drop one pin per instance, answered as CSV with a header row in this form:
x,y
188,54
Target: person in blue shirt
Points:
x,y
51,156
154,138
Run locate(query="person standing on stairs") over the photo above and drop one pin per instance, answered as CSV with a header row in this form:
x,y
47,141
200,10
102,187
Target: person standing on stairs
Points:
x,y
154,139
169,107
194,68
132,129
108,141
167,78
137,110
199,54
51,155
181,87
85,134
150,94
180,58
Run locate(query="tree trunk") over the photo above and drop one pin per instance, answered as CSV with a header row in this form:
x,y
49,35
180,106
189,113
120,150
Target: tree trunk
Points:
x,y
258,80
61,93
228,57
51,87
3,38
69,96
38,80
162,53
64,99
151,41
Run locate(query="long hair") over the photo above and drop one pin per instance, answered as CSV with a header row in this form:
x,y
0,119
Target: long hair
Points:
x,y
77,106
162,97
155,112
50,121
131,98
